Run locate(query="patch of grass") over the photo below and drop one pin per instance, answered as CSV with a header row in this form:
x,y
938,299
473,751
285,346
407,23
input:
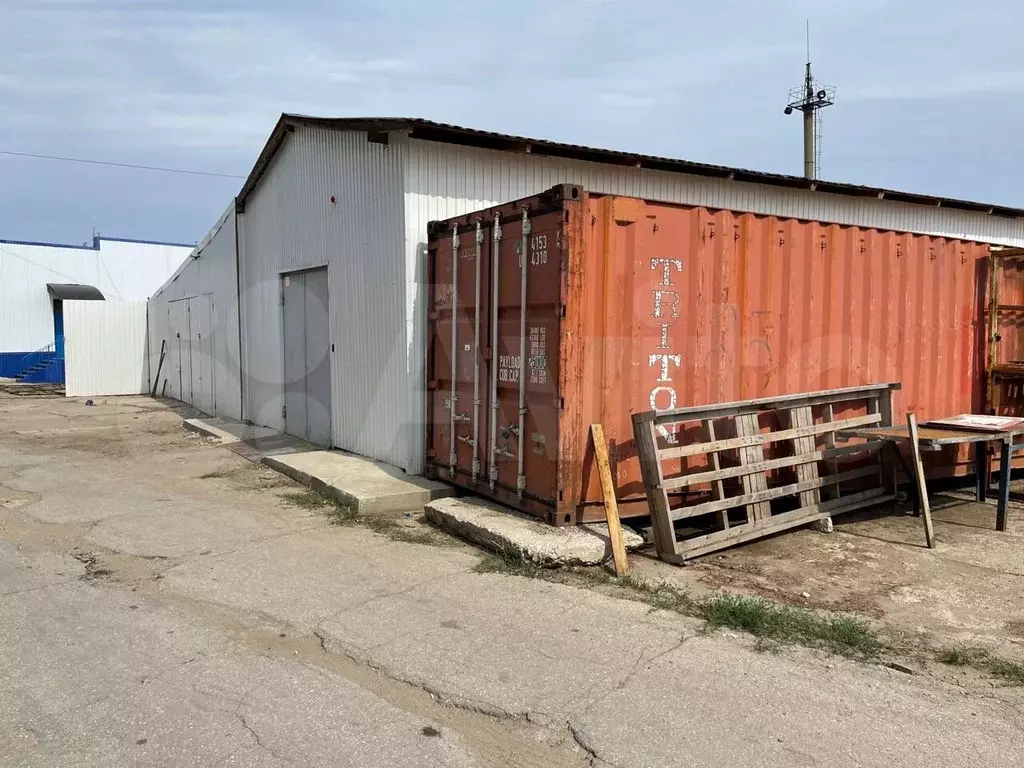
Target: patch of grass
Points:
x,y
342,514
336,512
509,563
774,623
212,475
984,661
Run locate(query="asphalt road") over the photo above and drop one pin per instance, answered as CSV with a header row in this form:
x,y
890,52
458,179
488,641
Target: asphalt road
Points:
x,y
161,604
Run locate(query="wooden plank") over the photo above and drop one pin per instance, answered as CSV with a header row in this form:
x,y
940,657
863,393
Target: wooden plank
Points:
x,y
717,488
753,484
802,417
927,437
160,365
702,545
674,483
611,508
646,439
767,437
922,490
739,407
831,491
679,513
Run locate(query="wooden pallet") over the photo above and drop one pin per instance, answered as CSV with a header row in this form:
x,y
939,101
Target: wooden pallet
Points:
x,y
752,468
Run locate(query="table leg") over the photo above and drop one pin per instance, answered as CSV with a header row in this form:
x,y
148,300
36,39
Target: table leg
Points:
x,y
922,489
1005,457
910,477
981,470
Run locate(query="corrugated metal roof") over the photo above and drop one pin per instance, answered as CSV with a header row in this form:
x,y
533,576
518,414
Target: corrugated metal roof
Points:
x,y
429,130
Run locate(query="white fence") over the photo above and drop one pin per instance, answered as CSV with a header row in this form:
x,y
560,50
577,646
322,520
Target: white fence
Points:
x,y
105,348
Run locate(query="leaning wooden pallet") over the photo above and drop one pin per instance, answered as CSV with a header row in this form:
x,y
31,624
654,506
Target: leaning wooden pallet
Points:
x,y
768,475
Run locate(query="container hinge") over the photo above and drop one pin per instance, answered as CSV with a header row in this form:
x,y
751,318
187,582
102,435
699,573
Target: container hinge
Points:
x,y
284,411
282,299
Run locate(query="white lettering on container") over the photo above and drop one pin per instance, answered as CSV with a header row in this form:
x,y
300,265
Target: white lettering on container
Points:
x,y
666,312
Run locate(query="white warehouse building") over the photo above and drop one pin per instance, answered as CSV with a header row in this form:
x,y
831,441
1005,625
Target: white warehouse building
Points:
x,y
37,278
303,309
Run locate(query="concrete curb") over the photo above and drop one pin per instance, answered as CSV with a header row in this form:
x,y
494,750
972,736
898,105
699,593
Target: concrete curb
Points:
x,y
505,531
200,427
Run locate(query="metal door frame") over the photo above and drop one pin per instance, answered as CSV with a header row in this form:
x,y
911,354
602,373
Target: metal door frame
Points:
x,y
281,275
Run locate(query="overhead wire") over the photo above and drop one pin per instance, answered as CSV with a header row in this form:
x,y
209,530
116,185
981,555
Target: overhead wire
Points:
x,y
161,169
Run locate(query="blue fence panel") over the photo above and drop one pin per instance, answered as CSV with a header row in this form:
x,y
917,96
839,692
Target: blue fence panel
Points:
x,y
12,363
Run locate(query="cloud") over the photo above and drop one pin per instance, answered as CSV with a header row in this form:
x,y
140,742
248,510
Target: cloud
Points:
x,y
198,84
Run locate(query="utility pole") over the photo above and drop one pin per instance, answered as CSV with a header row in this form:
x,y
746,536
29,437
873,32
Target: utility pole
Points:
x,y
808,99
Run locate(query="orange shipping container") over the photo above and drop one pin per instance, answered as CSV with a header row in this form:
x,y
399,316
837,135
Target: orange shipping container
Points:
x,y
623,305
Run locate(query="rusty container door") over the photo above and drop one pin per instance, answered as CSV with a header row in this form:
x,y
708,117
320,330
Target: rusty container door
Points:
x,y
500,398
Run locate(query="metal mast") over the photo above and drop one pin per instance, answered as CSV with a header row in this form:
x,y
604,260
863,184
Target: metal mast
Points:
x,y
808,99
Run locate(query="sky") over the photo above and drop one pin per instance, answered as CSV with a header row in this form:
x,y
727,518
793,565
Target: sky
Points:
x,y
929,92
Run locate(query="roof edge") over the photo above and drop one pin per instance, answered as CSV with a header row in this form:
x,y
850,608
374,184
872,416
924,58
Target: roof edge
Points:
x,y
429,130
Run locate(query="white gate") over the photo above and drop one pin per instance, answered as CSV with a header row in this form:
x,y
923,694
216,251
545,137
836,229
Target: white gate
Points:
x,y
105,348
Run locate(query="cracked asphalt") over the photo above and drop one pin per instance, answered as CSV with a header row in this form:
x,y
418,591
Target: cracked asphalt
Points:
x,y
161,604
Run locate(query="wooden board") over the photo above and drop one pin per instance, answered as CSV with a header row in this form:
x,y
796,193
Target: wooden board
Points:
x,y
611,508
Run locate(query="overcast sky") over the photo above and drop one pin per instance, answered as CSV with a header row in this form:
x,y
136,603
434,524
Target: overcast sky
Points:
x,y
929,92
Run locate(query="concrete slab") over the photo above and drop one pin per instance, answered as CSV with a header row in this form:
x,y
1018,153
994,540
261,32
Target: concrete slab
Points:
x,y
370,487
227,430
503,530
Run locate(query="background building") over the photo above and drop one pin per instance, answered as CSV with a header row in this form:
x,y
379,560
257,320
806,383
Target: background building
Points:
x,y
36,278
312,284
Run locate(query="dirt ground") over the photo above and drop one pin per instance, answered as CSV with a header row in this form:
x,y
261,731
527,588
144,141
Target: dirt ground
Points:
x,y
969,590
165,602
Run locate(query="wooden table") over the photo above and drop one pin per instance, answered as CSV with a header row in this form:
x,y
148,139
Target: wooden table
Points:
x,y
937,438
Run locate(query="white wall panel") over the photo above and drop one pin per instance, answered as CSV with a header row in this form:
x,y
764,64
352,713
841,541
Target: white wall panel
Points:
x,y
121,270
105,348
442,177
291,224
210,270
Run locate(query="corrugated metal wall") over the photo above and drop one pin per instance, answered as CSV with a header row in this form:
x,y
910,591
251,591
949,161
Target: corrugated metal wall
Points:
x,y
453,180
124,271
105,348
291,224
213,273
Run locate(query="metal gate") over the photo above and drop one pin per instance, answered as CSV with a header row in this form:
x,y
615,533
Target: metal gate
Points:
x,y
307,356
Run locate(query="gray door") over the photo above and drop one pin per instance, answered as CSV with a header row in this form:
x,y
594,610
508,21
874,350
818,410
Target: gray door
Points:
x,y
307,356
